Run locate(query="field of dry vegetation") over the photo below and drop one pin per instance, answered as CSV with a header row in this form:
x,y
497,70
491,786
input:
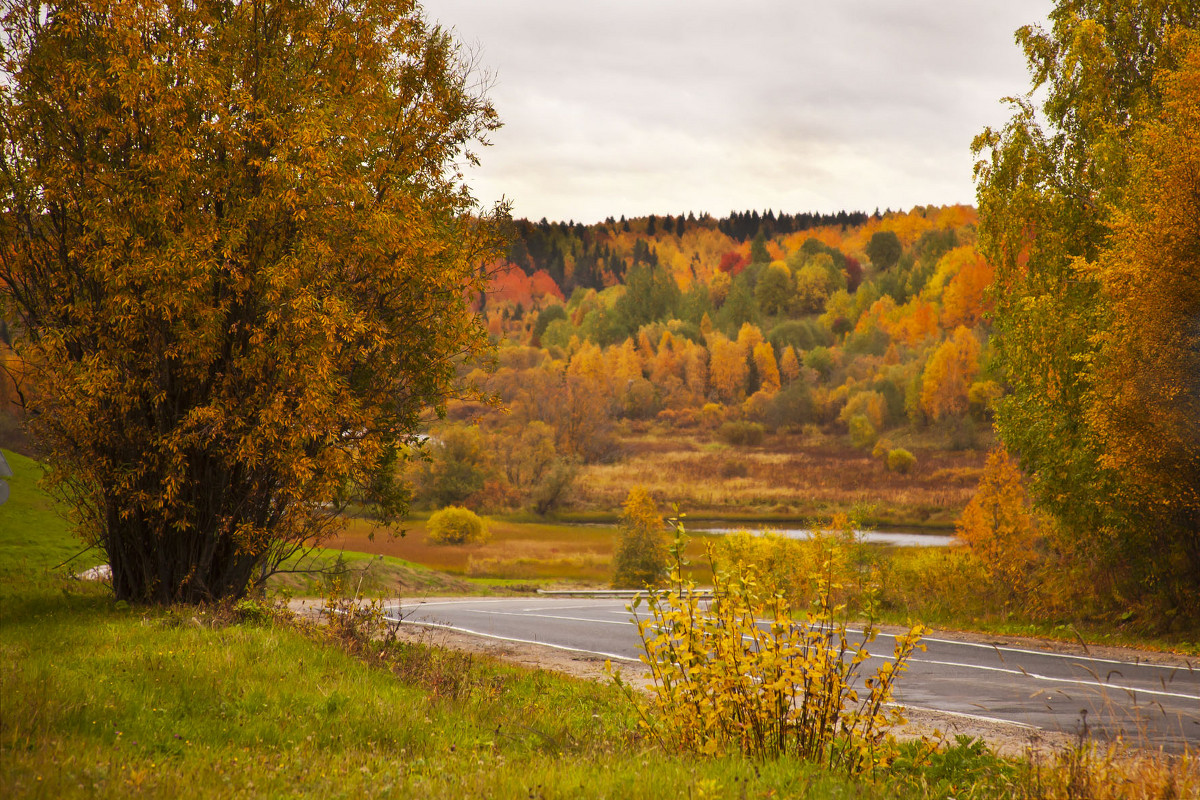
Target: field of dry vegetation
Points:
x,y
790,476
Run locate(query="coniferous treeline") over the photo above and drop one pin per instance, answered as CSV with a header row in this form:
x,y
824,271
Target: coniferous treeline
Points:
x,y
589,256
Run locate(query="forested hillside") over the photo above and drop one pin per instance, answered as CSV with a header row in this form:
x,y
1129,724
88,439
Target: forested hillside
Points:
x,y
853,328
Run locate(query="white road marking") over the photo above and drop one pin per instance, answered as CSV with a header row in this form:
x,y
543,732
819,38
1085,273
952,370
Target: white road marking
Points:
x,y
986,668
543,616
1189,668
454,602
444,626
1050,654
1036,676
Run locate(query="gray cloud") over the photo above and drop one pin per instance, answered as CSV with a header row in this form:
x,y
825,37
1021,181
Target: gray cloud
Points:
x,y
646,107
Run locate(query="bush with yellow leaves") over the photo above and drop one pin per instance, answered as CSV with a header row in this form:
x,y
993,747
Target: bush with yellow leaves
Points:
x,y
733,671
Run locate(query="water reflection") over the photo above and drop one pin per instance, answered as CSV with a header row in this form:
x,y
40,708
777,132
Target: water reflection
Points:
x,y
893,538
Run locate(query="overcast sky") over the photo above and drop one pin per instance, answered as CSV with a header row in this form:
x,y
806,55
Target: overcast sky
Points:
x,y
663,106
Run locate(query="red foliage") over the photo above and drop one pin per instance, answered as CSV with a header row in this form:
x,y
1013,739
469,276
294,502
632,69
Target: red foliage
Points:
x,y
732,262
510,284
854,273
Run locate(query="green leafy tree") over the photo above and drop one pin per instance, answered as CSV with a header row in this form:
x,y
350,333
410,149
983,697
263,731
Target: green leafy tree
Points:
x,y
238,250
774,289
739,308
884,250
812,288
551,313
641,558
1048,197
458,464
651,294
759,254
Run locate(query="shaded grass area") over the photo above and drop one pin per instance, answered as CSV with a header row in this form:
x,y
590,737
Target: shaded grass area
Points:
x,y
34,534
364,574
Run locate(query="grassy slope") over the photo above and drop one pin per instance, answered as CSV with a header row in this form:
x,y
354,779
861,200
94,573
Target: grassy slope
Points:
x,y
102,700
25,520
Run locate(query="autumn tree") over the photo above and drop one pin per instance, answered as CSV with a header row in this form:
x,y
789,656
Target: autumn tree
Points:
x,y
1054,202
766,367
728,369
1144,402
774,288
948,375
812,288
789,364
641,556
1000,527
238,249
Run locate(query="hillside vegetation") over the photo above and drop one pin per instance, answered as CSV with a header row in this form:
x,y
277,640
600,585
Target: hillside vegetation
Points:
x,y
724,354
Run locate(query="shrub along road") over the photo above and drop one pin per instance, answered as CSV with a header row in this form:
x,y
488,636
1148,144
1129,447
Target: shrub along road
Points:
x,y
1146,698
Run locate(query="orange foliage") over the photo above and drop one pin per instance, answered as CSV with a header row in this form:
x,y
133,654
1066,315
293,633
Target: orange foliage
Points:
x,y
511,284
789,364
963,300
999,526
909,324
948,375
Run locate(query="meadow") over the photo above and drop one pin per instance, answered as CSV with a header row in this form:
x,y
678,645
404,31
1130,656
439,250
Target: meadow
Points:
x,y
790,476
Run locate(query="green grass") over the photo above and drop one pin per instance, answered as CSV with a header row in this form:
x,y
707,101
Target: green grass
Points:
x,y
364,574
101,699
104,701
34,534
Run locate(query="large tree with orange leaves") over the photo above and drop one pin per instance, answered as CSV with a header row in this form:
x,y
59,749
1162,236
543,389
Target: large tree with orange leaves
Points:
x,y
239,252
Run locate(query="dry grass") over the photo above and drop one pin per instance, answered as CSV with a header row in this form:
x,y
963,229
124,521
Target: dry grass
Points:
x,y
788,475
1115,772
580,554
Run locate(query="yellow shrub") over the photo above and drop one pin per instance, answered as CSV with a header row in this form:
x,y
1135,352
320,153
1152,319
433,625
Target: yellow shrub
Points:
x,y
455,525
725,681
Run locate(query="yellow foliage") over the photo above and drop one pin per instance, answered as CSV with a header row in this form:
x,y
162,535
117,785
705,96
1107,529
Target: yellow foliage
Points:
x,y
722,681
718,288
1145,406
871,405
749,337
768,372
728,369
244,254
789,364
640,559
949,374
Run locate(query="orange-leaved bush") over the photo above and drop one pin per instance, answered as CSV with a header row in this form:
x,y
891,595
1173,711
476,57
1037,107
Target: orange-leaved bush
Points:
x,y
237,251
1000,527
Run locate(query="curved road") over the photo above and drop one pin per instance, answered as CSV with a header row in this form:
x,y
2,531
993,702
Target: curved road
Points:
x,y
1151,704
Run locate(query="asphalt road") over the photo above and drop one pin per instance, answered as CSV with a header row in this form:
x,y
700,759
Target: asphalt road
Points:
x,y
1151,704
